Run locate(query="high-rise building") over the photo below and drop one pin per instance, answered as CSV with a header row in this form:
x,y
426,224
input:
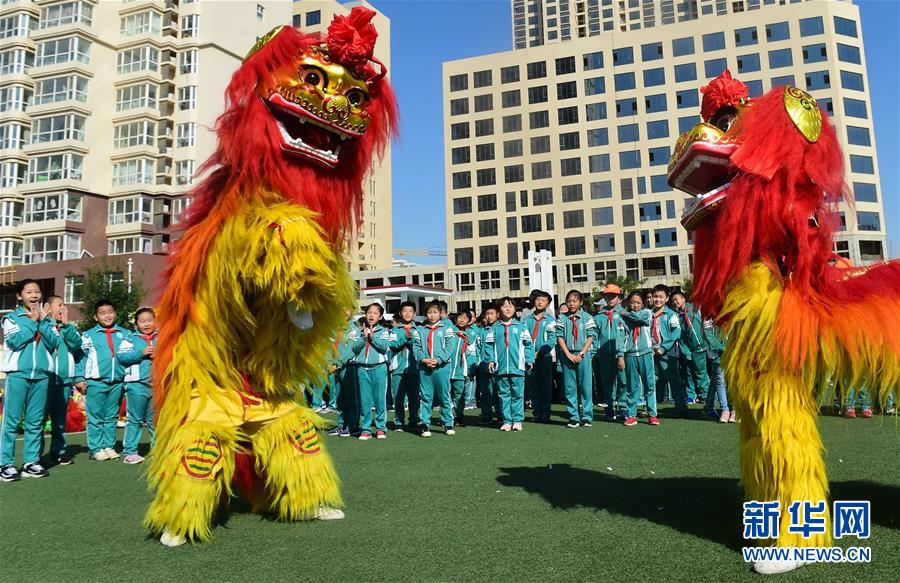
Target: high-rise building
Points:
x,y
107,109
563,144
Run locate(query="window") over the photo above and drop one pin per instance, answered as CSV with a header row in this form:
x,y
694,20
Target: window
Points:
x,y
482,152
55,167
685,72
542,196
871,251
714,67
137,59
465,256
16,25
486,177
848,54
650,211
565,65
567,90
538,119
602,216
659,183
868,221
188,61
844,26
570,166
780,58
861,164
459,106
462,206
531,223
569,141
714,41
567,115
512,148
540,144
489,254
595,111
124,245
748,63
12,174
650,52
13,136
512,123
595,86
536,70
811,26
511,98
573,219
313,17
484,127
134,96
57,128
184,172
782,81
139,171
683,46
135,209
260,12
645,239
141,23
745,36
818,80
858,136
657,129
687,122
509,74
598,163
459,82
628,133
514,173
654,77
653,266
572,193
864,192
597,137
655,103
541,170
626,191
187,97
777,31
190,26
574,246
602,189
626,107
855,108
826,105
623,56
624,81
15,61
687,98
484,102
138,133
852,81
459,131
629,159
74,289
63,50
604,243
185,134
481,79
66,13
46,248
591,61
815,53
53,207
537,94
487,228
487,202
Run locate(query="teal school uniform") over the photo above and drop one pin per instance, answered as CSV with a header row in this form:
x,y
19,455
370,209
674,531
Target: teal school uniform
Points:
x,y
138,392
665,330
344,395
435,341
371,365
487,382
28,348
610,346
404,375
512,354
693,350
464,360
59,390
575,330
539,381
639,369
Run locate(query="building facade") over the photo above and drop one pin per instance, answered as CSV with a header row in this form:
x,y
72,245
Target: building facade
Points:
x,y
107,109
563,142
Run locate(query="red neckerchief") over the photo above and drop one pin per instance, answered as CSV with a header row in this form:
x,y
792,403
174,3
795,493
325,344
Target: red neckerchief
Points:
x,y
109,340
687,318
148,338
574,328
462,353
635,335
537,326
431,331
506,332
654,329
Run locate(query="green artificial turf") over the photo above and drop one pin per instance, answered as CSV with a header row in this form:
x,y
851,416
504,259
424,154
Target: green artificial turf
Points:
x,y
549,504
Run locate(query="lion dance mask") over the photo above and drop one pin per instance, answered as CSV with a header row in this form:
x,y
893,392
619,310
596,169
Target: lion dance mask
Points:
x,y
257,284
768,174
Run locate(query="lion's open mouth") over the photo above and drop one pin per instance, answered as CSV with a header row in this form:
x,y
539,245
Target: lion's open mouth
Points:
x,y
303,135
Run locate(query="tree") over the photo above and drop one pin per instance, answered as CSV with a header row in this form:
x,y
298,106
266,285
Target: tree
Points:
x,y
687,286
627,284
109,281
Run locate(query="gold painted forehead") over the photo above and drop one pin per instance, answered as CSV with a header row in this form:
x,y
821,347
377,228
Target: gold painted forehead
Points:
x,y
339,78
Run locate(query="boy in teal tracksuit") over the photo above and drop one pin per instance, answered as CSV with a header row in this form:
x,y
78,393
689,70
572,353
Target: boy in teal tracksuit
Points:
x,y
511,356
715,342
665,330
68,353
576,333
487,383
102,375
372,345
639,360
343,395
692,345
464,359
609,349
433,353
405,368
138,384
29,340
539,380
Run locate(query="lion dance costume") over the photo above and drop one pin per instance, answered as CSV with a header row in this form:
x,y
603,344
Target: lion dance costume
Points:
x,y
767,174
257,285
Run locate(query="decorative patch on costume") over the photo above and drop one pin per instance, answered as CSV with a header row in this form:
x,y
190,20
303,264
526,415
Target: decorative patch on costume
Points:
x,y
804,112
306,439
202,459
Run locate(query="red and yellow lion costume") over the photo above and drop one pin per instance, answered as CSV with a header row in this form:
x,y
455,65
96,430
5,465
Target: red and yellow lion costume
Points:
x,y
768,174
257,285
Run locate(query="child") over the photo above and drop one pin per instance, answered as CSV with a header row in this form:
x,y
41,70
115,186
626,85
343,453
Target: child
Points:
x,y
102,375
487,383
692,345
433,352
370,345
446,320
539,381
404,368
512,355
138,383
29,340
344,397
665,330
716,345
62,378
464,359
610,346
639,360
575,334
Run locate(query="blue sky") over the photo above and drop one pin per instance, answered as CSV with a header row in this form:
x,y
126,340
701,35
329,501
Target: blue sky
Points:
x,y
425,33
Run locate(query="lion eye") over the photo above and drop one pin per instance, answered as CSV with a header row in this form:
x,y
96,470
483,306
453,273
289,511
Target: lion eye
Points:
x,y
356,97
724,122
314,77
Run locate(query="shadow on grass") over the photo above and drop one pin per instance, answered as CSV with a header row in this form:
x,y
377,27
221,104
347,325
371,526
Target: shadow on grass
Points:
x,y
707,508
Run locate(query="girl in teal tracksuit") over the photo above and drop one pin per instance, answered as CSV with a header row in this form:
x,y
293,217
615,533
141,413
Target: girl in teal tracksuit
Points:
x,y
433,352
102,374
512,355
405,368
487,383
463,360
608,354
371,345
29,340
139,409
692,345
68,353
717,387
576,333
665,330
639,359
539,380
343,396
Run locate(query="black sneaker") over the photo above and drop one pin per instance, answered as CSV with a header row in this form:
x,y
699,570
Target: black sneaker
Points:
x,y
64,460
34,470
9,474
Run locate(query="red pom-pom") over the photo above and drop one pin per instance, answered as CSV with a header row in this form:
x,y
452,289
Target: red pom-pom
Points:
x,y
351,39
721,91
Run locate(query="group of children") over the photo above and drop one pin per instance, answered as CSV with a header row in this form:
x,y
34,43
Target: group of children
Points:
x,y
45,358
624,357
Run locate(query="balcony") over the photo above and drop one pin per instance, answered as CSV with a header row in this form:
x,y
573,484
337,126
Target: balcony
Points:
x,y
66,105
139,5
78,27
10,8
54,69
70,145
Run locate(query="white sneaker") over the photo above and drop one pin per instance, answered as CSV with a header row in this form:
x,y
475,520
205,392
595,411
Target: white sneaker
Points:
x,y
517,427
505,427
449,431
100,456
172,540
111,454
328,513
776,567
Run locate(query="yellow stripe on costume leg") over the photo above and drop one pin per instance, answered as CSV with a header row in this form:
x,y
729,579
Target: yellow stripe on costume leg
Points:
x,y
189,480
299,474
